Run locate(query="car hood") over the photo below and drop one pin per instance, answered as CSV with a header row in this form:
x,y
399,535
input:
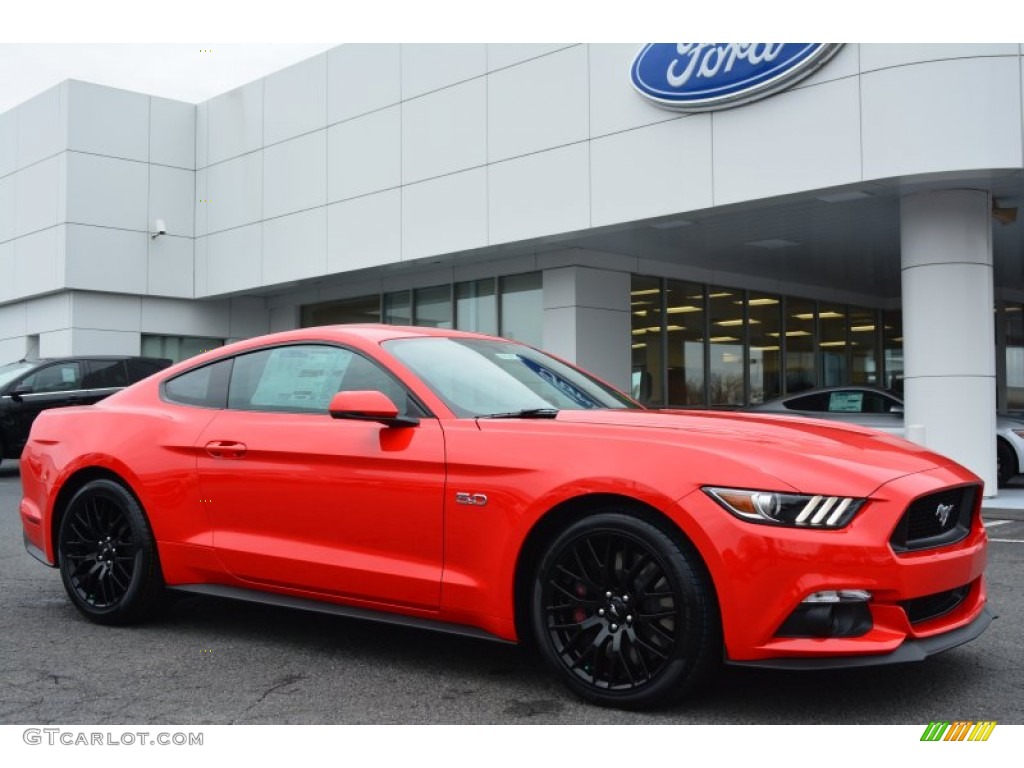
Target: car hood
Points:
x,y
809,455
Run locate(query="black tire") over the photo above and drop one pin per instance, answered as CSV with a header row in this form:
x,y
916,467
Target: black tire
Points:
x,y
624,613
1006,462
107,555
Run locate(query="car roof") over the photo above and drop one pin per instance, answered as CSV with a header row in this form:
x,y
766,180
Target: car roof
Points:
x,y
37,360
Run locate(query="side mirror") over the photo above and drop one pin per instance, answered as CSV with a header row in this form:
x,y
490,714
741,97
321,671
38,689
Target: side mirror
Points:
x,y
18,391
368,405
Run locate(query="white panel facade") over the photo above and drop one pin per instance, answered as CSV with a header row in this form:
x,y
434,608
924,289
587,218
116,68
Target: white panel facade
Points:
x,y
361,78
6,276
656,170
364,232
445,214
295,175
234,193
501,55
106,259
202,135
7,210
172,133
540,194
184,318
8,142
94,341
844,63
445,131
107,192
295,100
883,55
39,262
295,247
934,117
170,267
537,105
108,121
56,343
48,313
430,66
234,260
619,108
235,123
171,199
42,126
37,196
364,154
101,311
806,138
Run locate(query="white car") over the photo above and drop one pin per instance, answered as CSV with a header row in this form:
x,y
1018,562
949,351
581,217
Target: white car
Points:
x,y
880,409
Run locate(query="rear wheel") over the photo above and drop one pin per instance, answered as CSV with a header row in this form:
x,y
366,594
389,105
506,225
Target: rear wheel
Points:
x,y
1006,462
107,555
625,614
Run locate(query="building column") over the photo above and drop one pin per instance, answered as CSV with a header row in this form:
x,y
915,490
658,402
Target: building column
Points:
x,y
586,320
948,327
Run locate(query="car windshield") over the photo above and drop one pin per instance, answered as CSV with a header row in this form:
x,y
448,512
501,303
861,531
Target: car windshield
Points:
x,y
481,377
11,371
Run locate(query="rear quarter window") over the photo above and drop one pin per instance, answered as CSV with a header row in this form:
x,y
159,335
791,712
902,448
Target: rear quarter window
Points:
x,y
206,387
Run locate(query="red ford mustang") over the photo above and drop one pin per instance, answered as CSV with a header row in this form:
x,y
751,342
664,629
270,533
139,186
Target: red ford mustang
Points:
x,y
469,484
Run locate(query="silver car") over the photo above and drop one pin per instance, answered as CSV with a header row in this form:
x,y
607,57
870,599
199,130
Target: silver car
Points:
x,y
880,409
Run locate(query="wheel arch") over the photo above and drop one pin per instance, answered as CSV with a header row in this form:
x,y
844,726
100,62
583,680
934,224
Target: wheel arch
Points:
x,y
75,482
564,514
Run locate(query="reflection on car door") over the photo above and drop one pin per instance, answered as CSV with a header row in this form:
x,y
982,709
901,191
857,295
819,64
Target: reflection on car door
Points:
x,y
303,501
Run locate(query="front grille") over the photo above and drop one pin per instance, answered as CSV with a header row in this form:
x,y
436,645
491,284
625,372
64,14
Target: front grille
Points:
x,y
932,606
936,520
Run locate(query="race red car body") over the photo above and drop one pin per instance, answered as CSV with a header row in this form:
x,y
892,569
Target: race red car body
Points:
x,y
459,482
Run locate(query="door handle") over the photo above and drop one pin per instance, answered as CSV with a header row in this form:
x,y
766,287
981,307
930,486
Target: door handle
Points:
x,y
226,449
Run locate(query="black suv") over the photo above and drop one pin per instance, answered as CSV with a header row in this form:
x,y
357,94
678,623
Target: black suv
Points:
x,y
30,386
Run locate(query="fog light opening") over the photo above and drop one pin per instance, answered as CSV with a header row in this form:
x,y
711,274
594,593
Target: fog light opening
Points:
x,y
830,613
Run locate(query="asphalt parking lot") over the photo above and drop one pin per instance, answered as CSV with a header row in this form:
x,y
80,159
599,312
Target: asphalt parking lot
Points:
x,y
213,661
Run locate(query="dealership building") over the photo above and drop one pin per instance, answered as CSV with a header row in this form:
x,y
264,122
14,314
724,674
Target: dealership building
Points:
x,y
851,222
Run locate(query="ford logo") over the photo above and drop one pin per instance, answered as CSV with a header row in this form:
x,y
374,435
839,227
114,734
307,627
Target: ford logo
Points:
x,y
699,77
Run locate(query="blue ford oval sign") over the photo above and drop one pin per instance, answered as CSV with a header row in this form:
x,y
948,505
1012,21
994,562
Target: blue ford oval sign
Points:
x,y
697,77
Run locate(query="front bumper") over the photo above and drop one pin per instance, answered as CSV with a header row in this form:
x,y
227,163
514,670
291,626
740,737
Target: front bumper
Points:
x,y
763,572
911,650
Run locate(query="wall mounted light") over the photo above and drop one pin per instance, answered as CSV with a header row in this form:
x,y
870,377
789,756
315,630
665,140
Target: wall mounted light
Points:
x,y
161,229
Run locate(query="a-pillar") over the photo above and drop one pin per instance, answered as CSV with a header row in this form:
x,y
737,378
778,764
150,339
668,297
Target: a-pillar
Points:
x,y
948,326
586,320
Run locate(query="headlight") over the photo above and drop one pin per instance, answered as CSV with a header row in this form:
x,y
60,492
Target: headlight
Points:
x,y
798,510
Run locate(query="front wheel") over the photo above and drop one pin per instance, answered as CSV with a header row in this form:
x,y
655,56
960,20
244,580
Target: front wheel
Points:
x,y
625,614
107,555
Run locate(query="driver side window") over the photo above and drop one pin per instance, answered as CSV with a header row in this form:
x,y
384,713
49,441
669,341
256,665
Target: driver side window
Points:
x,y
61,377
302,378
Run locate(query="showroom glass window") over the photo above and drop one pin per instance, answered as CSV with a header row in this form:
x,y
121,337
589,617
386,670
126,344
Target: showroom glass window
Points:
x,y
362,309
177,348
647,338
727,340
522,308
765,346
863,327
685,317
1013,321
432,307
799,335
832,344
476,306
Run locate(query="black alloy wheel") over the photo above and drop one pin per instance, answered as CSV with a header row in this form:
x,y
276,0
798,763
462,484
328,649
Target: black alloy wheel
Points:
x,y
107,555
624,613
